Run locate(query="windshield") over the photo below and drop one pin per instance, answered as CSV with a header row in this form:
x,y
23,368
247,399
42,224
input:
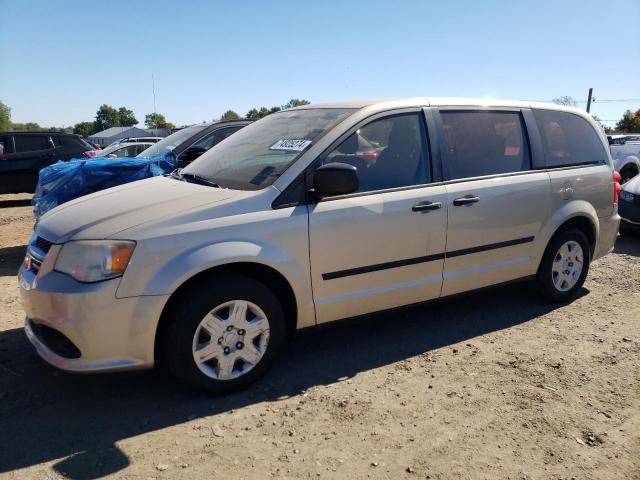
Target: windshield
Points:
x,y
259,153
172,141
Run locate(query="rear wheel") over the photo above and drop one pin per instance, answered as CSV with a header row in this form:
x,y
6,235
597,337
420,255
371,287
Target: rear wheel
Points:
x,y
224,334
564,266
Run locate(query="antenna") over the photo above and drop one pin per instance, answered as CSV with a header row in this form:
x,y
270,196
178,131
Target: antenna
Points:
x,y
153,88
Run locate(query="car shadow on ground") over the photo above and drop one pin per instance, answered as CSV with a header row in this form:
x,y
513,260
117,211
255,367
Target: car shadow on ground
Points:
x,y
10,259
17,202
47,415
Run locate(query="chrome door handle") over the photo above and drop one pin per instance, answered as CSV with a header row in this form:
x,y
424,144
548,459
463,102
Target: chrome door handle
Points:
x,y
426,205
466,200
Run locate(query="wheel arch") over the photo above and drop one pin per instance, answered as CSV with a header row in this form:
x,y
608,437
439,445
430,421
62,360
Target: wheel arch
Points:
x,y
269,276
581,217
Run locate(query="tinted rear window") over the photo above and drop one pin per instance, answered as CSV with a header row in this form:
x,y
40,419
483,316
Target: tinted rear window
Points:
x,y
568,139
28,143
484,143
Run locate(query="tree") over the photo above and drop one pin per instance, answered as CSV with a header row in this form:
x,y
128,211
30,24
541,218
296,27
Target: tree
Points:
x,y
155,120
294,102
107,117
565,100
83,129
29,126
599,122
230,115
630,122
5,117
126,117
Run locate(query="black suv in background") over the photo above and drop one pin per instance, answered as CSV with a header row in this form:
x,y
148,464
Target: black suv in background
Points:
x,y
23,154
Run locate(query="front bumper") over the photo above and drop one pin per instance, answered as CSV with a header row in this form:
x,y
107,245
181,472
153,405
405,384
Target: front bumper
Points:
x,y
110,333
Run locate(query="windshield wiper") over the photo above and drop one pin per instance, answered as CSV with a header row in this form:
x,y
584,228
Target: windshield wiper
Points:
x,y
193,178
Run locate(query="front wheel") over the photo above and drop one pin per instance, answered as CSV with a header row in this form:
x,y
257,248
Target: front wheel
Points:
x,y
224,334
564,266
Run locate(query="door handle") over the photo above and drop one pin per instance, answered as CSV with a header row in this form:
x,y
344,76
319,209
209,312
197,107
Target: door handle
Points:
x,y
466,200
426,205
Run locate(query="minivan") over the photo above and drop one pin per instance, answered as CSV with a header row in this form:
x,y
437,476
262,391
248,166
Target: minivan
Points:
x,y
24,154
315,214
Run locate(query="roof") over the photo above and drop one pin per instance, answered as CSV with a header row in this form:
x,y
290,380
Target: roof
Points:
x,y
110,132
37,132
440,101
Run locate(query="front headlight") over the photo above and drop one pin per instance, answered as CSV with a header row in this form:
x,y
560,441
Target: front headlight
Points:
x,y
94,260
628,196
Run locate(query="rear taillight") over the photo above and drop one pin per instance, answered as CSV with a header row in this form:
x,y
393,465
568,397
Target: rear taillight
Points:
x,y
616,186
90,154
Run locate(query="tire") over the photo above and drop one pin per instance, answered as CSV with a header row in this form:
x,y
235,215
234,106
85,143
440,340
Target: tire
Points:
x,y
224,295
560,287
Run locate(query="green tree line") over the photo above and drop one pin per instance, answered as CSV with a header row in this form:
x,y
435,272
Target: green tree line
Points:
x,y
108,116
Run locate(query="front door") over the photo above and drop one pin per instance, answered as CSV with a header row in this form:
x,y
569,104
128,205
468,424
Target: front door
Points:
x,y
383,246
496,202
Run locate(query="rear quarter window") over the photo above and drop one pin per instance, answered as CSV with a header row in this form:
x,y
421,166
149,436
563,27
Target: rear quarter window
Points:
x,y
569,139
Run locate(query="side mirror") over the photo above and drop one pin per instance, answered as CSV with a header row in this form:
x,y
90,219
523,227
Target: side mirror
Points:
x,y
335,179
112,155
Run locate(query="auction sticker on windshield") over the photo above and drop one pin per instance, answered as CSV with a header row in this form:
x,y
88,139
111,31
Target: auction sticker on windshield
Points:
x,y
292,145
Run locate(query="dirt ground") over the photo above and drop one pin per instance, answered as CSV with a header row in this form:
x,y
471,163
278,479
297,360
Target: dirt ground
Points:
x,y
492,385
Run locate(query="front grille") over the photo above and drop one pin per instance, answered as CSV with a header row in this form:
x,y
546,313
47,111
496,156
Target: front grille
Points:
x,y
43,244
54,340
34,263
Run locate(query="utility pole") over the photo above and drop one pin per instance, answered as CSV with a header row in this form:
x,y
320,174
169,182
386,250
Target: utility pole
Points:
x,y
589,100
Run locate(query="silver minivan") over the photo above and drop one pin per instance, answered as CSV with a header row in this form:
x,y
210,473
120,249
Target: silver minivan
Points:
x,y
316,214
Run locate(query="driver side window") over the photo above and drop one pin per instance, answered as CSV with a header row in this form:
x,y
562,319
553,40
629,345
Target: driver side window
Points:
x,y
389,152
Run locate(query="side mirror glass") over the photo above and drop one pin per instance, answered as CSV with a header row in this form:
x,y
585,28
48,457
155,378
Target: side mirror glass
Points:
x,y
334,179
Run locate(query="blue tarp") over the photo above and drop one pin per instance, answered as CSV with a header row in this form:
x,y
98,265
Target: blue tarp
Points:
x,y
66,180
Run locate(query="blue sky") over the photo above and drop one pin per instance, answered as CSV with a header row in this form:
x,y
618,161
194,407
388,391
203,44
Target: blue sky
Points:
x,y
60,60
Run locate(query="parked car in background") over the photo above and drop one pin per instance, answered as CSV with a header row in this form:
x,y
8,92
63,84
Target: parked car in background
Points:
x,y
629,206
60,183
136,139
626,158
124,150
189,143
282,226
24,154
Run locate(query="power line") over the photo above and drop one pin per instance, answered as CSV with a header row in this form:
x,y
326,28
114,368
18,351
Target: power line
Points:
x,y
597,100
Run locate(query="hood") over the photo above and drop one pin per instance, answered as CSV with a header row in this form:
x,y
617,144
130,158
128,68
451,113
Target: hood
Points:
x,y
107,212
632,186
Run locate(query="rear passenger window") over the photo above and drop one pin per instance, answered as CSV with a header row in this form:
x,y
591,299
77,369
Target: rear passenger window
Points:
x,y
484,143
568,139
29,143
389,152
